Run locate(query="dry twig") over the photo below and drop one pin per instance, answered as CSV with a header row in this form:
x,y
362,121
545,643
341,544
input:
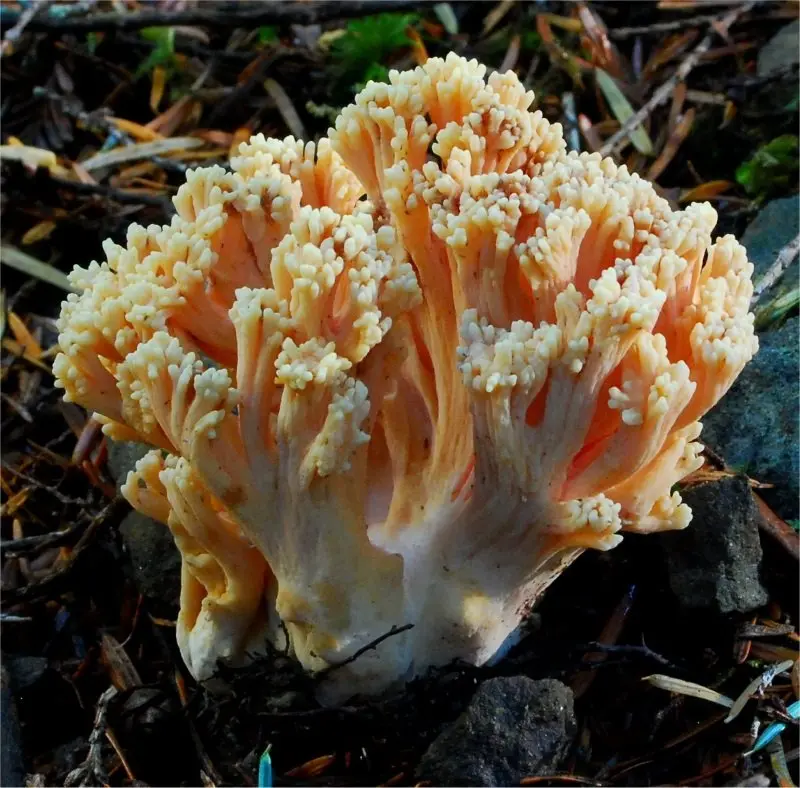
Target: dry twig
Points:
x,y
369,647
662,27
56,579
782,262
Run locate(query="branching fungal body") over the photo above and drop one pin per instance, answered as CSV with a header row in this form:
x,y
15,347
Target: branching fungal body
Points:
x,y
405,375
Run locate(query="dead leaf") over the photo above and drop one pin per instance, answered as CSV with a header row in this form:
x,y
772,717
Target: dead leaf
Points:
x,y
674,142
729,115
706,191
492,19
198,155
512,54
758,684
678,98
169,120
13,347
15,502
313,768
159,82
215,137
418,51
83,176
772,653
24,337
136,130
688,688
593,139
559,56
121,670
38,232
241,135
673,46
286,107
605,53
564,22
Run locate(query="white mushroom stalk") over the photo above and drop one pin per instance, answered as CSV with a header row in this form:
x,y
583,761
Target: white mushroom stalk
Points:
x,y
405,375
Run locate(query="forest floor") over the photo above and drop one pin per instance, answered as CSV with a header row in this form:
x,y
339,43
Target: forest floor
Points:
x,y
105,105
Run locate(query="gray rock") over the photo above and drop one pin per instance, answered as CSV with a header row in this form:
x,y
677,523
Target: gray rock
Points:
x,y
513,728
122,457
755,425
12,764
26,671
753,781
781,51
714,563
777,223
156,561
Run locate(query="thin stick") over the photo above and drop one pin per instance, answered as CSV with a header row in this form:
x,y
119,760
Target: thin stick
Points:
x,y
245,15
363,650
662,27
56,579
665,90
782,262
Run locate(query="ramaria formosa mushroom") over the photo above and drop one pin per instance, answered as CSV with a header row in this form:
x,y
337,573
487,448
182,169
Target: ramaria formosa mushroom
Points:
x,y
405,375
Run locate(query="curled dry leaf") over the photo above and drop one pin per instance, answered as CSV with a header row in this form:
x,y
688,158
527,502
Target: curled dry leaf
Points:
x,y
758,684
688,688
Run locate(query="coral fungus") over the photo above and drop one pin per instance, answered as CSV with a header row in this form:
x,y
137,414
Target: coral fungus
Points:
x,y
405,375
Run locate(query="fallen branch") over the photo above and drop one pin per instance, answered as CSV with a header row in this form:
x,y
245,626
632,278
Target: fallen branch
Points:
x,y
666,90
775,271
245,15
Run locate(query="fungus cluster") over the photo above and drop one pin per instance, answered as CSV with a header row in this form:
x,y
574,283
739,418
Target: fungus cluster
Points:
x,y
405,375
